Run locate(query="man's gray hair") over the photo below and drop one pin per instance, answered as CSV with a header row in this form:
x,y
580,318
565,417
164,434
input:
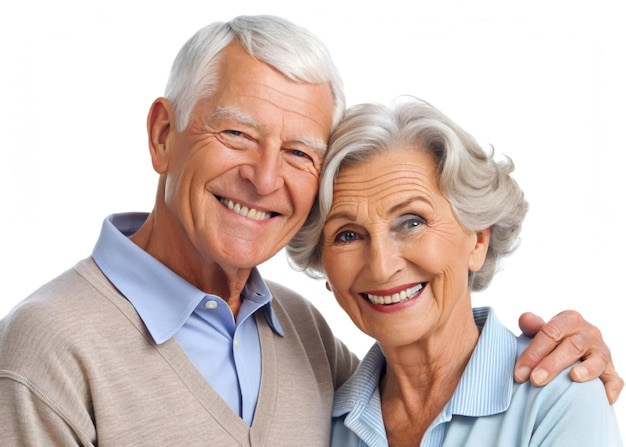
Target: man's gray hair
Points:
x,y
292,50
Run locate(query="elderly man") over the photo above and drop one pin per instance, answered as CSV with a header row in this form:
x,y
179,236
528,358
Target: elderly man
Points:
x,y
167,335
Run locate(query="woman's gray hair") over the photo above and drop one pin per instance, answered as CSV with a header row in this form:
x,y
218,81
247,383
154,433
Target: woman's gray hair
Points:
x,y
292,50
480,189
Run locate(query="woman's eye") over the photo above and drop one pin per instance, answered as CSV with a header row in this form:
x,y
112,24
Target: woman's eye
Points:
x,y
347,236
411,221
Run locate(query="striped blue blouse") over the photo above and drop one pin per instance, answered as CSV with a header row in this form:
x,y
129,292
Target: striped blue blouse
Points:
x,y
487,408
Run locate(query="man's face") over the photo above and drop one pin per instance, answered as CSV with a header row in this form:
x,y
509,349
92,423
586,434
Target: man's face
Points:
x,y
241,179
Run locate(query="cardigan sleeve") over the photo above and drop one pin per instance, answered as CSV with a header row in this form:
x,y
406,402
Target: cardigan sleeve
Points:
x,y
41,402
29,418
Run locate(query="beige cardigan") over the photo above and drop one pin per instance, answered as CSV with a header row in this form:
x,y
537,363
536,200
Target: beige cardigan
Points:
x,y
77,367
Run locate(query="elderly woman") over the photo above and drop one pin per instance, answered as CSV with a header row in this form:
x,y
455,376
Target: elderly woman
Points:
x,y
412,216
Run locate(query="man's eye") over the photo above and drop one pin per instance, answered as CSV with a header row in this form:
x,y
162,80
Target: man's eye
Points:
x,y
236,139
300,154
302,159
347,236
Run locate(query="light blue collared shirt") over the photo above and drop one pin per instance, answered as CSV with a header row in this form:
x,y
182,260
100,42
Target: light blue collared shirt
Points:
x,y
226,351
487,408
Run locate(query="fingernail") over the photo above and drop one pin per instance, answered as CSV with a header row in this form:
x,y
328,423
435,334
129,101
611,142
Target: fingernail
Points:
x,y
522,373
539,376
580,372
612,395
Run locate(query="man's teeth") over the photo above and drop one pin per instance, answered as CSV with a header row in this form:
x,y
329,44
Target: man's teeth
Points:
x,y
396,297
244,211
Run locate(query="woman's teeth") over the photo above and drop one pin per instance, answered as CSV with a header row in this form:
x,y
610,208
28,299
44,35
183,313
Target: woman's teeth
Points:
x,y
396,297
244,211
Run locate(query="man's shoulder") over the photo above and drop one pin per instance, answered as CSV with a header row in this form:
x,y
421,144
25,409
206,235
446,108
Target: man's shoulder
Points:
x,y
300,311
45,298
287,296
301,319
281,291
290,300
76,318
62,307
38,323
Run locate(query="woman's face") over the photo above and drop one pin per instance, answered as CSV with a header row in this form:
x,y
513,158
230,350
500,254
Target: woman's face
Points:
x,y
395,255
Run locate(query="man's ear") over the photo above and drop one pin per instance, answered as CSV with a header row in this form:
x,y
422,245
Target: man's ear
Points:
x,y
160,122
479,253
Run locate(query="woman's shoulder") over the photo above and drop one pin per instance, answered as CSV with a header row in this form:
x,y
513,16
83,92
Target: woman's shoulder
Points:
x,y
565,410
562,387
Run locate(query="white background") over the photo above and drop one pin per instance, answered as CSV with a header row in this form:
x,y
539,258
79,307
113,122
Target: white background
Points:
x,y
541,81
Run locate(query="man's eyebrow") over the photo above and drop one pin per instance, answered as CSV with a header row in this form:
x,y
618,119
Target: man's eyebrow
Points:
x,y
235,114
316,144
240,116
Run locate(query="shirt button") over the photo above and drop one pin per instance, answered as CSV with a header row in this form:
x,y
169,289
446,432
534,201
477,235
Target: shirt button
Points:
x,y
211,304
236,343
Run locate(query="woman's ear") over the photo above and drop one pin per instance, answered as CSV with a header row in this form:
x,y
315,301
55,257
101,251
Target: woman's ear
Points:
x,y
160,122
479,253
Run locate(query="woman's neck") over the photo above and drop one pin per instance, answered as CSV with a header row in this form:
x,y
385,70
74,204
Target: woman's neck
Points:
x,y
421,378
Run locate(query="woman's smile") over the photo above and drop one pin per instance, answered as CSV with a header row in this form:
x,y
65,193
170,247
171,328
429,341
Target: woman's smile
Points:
x,y
382,297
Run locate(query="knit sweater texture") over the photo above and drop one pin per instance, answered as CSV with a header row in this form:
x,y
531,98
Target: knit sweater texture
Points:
x,y
78,367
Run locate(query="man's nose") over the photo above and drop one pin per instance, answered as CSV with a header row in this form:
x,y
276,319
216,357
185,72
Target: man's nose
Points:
x,y
264,170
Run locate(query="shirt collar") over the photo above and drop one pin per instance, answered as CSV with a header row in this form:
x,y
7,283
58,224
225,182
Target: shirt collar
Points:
x,y
359,397
256,289
486,386
163,299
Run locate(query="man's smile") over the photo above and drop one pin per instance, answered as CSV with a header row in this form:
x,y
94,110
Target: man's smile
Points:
x,y
245,211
